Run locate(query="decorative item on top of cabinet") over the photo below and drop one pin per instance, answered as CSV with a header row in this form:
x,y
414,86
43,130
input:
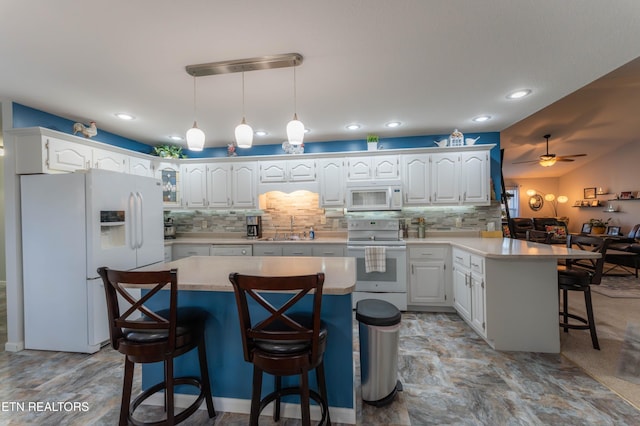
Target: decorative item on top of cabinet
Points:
x,y
87,131
168,151
456,138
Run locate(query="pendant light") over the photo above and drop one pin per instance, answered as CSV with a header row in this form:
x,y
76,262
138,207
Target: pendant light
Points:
x,y
195,136
295,128
244,132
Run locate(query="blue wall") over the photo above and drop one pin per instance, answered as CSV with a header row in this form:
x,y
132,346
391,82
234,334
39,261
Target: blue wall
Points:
x,y
24,116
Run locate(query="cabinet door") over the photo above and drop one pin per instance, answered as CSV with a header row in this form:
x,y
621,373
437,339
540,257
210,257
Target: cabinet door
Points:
x,y
181,251
219,183
297,250
169,174
462,292
67,156
331,182
194,185
359,168
140,166
107,160
244,185
478,304
444,178
385,167
301,170
416,179
427,283
273,171
474,178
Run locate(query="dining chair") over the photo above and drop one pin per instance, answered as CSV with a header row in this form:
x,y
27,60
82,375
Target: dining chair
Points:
x,y
147,336
580,275
282,338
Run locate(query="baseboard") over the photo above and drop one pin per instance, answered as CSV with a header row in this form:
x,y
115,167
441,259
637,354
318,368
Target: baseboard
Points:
x,y
14,346
243,406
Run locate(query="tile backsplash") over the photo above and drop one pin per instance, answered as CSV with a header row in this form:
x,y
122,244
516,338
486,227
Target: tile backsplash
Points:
x,y
277,208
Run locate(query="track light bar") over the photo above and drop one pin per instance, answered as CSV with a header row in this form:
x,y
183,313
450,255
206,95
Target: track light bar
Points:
x,y
242,65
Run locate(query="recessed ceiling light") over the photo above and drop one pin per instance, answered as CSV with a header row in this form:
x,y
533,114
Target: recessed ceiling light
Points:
x,y
307,130
175,138
353,126
124,116
481,118
261,133
519,94
393,124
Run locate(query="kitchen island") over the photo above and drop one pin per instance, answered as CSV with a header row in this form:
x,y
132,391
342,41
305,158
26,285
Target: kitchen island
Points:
x,y
203,282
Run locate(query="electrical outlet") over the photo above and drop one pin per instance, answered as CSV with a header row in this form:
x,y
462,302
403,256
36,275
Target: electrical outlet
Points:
x,y
204,224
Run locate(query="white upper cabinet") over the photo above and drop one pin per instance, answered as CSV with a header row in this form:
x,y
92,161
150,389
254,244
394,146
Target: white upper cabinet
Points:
x,y
140,166
169,174
296,170
219,185
416,178
109,160
331,176
244,184
373,167
474,179
194,185
445,175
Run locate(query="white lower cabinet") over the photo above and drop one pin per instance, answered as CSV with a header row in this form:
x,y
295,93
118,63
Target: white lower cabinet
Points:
x,y
328,250
469,289
428,283
297,250
267,250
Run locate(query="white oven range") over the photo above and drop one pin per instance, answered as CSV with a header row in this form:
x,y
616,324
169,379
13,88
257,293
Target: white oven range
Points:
x,y
390,285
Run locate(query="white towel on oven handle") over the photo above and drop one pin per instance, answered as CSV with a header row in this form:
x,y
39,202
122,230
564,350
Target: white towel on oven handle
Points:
x,y
375,259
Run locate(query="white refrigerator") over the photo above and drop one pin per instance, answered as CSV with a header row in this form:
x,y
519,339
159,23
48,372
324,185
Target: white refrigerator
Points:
x,y
71,225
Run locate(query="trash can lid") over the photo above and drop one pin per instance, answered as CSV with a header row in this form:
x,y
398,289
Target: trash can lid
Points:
x,y
377,312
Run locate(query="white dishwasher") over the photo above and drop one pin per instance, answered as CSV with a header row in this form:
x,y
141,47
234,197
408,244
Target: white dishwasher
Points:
x,y
231,250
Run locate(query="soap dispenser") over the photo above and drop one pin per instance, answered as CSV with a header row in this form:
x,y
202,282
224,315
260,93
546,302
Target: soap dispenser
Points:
x,y
312,234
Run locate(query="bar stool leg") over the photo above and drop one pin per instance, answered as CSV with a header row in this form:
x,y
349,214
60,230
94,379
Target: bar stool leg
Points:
x,y
322,386
255,396
565,309
304,399
276,402
590,318
125,405
206,382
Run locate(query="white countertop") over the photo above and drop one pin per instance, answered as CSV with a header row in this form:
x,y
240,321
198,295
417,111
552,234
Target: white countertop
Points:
x,y
211,273
487,247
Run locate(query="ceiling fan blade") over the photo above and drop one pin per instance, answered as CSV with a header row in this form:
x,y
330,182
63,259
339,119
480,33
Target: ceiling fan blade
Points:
x,y
564,159
571,156
528,161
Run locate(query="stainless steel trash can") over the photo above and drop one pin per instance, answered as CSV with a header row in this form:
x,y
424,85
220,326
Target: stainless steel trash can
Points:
x,y
379,329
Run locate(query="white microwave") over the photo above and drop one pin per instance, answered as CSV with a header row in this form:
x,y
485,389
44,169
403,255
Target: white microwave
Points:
x,y
374,197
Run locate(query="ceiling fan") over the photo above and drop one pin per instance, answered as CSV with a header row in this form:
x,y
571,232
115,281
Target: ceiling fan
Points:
x,y
548,160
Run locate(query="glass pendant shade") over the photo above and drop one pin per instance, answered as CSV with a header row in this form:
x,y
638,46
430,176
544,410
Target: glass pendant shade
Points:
x,y
195,138
244,135
295,131
547,161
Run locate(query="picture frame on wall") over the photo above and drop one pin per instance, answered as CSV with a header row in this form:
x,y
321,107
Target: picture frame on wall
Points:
x,y
627,195
595,203
585,203
590,193
578,203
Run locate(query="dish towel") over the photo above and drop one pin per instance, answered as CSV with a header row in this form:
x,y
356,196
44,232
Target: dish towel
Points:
x,y
375,259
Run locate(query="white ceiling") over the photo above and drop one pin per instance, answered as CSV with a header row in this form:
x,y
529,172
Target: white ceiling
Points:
x,y
431,64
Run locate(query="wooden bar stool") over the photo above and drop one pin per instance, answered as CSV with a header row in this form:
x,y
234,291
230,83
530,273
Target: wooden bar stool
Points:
x,y
579,275
145,336
285,343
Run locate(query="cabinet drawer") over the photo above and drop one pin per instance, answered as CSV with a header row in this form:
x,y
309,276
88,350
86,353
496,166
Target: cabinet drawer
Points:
x,y
181,251
296,250
267,250
477,264
461,258
328,250
427,252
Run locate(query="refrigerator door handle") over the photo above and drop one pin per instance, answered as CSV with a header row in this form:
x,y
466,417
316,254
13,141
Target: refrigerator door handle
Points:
x,y
133,240
140,223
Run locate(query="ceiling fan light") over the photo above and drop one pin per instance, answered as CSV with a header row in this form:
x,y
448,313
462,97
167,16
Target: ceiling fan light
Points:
x,y
295,131
244,135
547,161
195,138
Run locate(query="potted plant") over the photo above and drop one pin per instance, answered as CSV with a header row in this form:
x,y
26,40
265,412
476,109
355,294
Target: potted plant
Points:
x,y
168,151
598,226
372,142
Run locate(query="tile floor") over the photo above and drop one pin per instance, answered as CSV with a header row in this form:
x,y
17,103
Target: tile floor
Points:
x,y
450,376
